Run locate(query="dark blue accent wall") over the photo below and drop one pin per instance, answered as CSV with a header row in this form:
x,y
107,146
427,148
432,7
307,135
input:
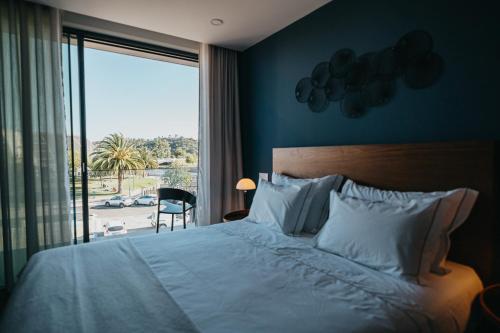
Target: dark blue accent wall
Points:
x,y
463,104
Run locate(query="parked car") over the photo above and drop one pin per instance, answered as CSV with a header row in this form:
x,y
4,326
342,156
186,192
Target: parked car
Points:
x,y
119,201
150,200
114,228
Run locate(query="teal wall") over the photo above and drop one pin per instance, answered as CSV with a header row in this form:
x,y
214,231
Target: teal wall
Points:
x,y
463,104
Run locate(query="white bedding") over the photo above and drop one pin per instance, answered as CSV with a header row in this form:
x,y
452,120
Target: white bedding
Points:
x,y
231,277
449,295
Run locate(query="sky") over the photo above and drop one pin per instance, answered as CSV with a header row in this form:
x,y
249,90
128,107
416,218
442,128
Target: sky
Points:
x,y
141,98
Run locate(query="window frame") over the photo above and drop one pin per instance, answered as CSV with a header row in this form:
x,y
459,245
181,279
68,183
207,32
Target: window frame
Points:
x,y
81,37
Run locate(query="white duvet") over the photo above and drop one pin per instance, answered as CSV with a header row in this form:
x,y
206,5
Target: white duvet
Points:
x,y
232,277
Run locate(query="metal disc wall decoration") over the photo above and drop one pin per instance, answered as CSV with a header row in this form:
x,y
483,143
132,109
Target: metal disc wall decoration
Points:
x,y
320,74
414,45
341,62
423,72
369,62
369,80
387,65
357,75
317,100
378,93
303,90
352,105
335,89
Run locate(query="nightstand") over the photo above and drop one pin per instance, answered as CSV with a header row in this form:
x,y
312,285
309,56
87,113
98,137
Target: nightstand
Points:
x,y
236,215
489,300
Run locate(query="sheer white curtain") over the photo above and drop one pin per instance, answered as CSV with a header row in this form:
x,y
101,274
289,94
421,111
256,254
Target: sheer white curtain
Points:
x,y
220,164
34,197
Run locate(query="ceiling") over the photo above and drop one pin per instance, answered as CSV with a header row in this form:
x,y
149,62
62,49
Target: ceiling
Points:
x,y
246,22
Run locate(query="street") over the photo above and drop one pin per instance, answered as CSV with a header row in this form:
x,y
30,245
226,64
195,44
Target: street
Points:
x,y
135,217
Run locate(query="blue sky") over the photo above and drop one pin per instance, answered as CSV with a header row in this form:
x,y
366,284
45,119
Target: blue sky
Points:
x,y
141,98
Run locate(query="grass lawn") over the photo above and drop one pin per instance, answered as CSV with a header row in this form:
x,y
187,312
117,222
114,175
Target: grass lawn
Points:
x,y
108,185
137,183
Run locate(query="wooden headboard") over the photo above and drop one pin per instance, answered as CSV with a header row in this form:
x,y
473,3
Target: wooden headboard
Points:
x,y
419,167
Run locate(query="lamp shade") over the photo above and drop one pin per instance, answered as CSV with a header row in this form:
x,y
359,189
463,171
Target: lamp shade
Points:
x,y
245,184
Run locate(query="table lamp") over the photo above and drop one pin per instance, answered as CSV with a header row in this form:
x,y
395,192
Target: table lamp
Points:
x,y
245,184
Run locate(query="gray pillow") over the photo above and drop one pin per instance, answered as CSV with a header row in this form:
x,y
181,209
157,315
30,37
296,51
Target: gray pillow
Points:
x,y
278,207
453,211
316,207
384,236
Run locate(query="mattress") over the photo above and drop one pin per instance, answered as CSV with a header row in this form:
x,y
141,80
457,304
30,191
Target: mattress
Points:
x,y
231,277
448,296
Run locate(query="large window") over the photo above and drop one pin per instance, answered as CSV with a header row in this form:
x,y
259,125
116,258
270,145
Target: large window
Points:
x,y
132,121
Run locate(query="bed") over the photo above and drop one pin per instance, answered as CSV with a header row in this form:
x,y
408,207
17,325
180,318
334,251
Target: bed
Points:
x,y
245,277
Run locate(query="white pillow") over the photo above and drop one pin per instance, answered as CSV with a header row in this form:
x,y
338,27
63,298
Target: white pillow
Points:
x,y
278,207
454,209
316,207
387,237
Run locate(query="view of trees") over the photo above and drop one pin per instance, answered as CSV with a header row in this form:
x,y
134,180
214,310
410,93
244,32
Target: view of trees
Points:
x,y
171,146
176,176
116,153
76,157
149,161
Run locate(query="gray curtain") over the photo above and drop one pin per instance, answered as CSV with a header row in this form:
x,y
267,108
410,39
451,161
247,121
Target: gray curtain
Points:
x,y
34,194
220,164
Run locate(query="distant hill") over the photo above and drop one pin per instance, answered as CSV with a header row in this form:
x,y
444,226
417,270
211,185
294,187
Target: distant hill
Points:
x,y
171,146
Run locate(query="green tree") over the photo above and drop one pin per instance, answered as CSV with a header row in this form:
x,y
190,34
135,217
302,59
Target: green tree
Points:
x,y
148,160
191,159
95,172
76,158
160,147
116,153
176,176
188,145
180,152
163,147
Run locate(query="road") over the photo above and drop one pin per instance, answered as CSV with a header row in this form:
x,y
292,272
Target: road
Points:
x,y
135,217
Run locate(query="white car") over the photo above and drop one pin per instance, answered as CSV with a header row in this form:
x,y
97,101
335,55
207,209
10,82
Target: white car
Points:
x,y
119,201
114,228
150,200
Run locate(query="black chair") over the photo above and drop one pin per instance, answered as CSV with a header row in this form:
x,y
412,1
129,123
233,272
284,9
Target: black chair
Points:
x,y
172,208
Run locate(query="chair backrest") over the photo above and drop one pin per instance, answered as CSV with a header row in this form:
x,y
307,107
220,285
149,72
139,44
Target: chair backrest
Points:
x,y
176,194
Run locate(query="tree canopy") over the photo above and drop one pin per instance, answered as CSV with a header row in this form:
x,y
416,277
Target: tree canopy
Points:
x,y
116,153
171,146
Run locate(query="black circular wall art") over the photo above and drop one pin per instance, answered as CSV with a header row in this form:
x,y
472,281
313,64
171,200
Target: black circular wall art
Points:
x,y
387,65
303,90
320,74
369,62
352,105
341,62
317,100
414,45
378,93
357,75
369,80
335,89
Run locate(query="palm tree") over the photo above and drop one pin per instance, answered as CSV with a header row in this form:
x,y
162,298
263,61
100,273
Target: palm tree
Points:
x,y
148,160
116,153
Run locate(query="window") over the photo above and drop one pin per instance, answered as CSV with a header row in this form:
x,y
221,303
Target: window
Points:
x,y
132,121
